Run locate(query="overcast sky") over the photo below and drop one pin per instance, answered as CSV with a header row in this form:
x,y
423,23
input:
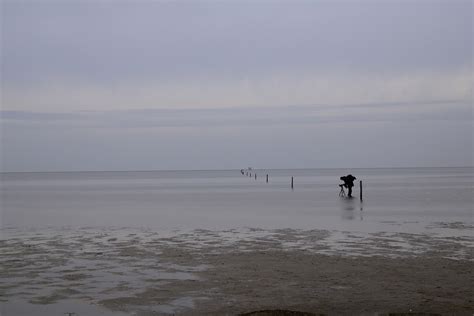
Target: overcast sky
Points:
x,y
137,85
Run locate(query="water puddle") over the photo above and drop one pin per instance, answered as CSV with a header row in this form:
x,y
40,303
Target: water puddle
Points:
x,y
61,308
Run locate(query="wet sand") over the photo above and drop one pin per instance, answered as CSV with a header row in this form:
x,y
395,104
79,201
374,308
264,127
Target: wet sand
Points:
x,y
127,271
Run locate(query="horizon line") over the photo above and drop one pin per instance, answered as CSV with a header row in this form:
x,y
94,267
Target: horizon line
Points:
x,y
234,169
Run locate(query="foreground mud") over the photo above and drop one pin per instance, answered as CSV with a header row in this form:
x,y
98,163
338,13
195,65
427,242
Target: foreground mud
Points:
x,y
142,272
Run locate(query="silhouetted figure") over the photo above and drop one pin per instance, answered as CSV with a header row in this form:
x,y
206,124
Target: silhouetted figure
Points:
x,y
348,183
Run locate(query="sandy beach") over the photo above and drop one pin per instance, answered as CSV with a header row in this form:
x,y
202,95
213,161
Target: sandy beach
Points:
x,y
201,272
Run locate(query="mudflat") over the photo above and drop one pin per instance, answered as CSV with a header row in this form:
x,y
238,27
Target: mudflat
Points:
x,y
203,272
325,284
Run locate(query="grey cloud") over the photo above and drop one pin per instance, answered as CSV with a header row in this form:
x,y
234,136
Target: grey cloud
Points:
x,y
339,144
39,116
251,116
115,41
110,55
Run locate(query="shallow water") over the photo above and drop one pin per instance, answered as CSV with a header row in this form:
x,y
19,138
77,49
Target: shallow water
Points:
x,y
394,199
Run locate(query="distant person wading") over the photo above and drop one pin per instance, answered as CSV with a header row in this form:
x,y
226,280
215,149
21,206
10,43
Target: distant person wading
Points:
x,y
348,183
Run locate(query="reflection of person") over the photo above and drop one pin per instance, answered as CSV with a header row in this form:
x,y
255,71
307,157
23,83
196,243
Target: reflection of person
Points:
x,y
348,183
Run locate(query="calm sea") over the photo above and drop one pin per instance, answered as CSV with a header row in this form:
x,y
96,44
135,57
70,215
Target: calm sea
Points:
x,y
394,199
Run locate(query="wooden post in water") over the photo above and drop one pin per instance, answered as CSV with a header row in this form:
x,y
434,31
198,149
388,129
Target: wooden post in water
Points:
x,y
255,176
360,182
292,182
267,178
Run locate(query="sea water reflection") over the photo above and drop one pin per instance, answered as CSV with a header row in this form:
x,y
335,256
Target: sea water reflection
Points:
x,y
227,199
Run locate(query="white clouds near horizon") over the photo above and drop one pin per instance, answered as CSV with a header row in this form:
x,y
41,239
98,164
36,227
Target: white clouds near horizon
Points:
x,y
272,91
